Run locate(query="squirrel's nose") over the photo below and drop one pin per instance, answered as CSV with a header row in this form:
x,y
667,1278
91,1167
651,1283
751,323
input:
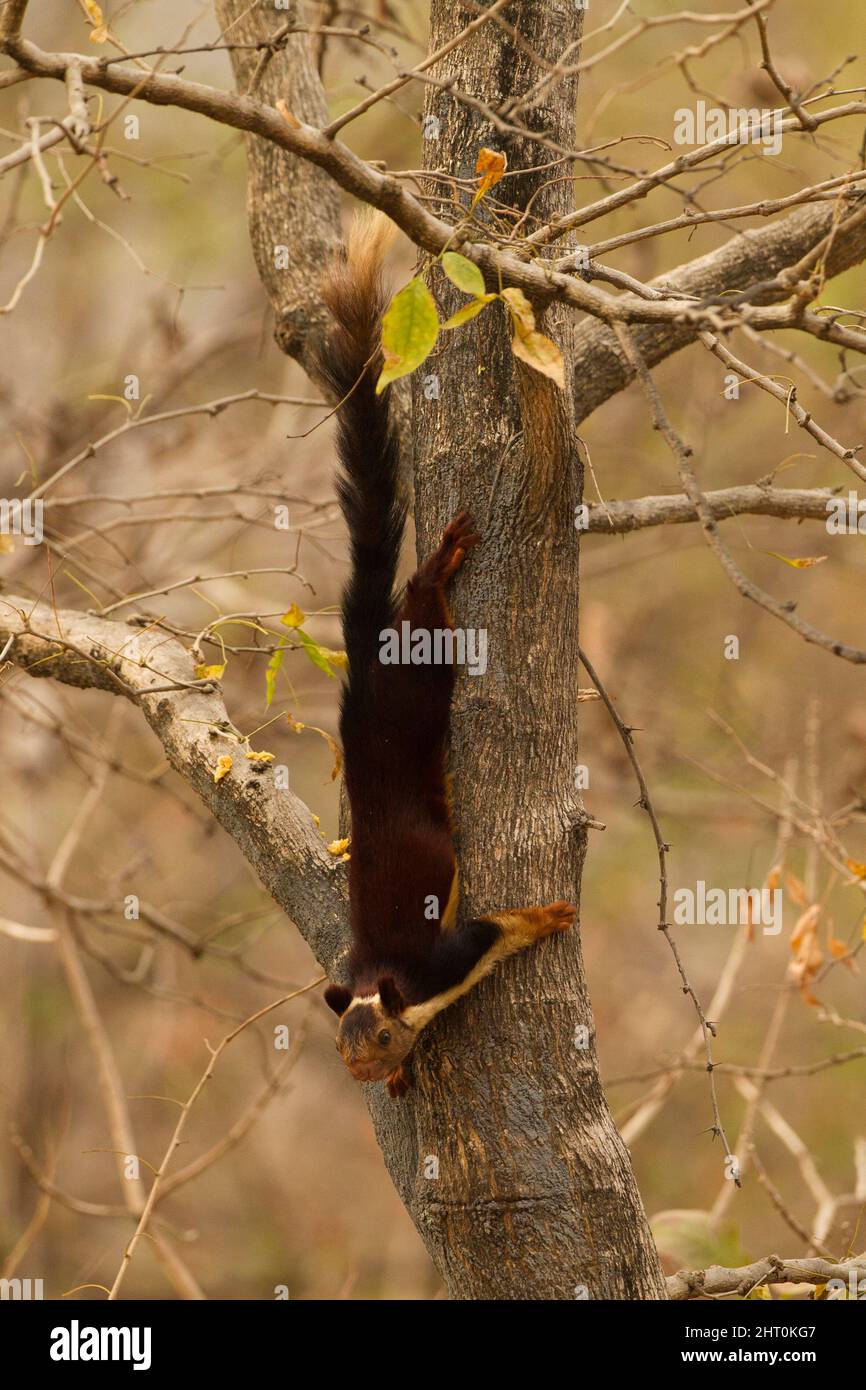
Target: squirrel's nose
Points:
x,y
365,1071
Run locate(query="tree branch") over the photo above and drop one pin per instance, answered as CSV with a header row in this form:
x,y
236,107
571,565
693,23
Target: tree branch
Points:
x,y
756,499
11,17
717,1280
601,367
273,828
541,281
682,452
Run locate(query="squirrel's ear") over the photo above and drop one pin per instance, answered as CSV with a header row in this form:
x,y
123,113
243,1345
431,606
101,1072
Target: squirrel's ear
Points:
x,y
338,998
390,997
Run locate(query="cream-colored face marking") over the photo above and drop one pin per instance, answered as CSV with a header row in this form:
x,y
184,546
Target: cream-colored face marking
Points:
x,y
359,1039
364,999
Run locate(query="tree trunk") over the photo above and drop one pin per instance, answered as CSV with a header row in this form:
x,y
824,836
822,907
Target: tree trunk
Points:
x,y
290,203
531,1194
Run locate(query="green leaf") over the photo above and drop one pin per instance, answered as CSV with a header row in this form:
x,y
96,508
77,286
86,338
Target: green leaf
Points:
x,y
463,273
409,331
271,674
469,311
316,653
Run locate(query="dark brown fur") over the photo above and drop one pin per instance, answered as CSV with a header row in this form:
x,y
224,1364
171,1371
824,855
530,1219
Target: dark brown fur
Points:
x,y
393,720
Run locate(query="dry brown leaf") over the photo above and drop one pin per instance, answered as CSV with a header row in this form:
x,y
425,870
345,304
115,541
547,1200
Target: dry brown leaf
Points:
x,y
323,733
491,165
223,768
796,890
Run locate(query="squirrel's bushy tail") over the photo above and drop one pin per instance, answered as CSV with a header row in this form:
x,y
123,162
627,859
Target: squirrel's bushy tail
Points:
x,y
367,485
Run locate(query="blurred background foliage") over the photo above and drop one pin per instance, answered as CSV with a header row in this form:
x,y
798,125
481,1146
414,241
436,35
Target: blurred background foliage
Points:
x,y
161,284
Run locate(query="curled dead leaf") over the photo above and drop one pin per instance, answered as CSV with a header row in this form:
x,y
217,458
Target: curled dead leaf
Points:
x,y
490,165
798,562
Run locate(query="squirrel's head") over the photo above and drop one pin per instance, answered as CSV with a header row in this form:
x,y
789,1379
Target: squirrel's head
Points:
x,y
373,1038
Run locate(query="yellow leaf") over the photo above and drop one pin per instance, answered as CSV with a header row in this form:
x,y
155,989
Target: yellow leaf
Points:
x,y
491,165
317,820
533,348
316,653
463,273
255,757
338,846
338,659
410,328
294,617
541,353
209,673
94,13
223,768
857,869
521,308
803,562
99,35
469,311
761,1293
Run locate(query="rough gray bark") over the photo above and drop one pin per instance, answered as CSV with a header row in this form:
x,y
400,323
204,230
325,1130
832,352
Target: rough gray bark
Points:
x,y
535,1196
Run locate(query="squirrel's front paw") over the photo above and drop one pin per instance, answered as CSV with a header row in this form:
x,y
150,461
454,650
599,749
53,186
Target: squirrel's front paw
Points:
x,y
458,537
558,917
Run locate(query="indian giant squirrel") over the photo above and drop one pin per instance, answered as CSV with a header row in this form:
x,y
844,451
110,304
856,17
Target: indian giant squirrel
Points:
x,y
405,964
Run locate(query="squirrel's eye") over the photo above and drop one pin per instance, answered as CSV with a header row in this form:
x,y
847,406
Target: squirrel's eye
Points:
x,y
384,1037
